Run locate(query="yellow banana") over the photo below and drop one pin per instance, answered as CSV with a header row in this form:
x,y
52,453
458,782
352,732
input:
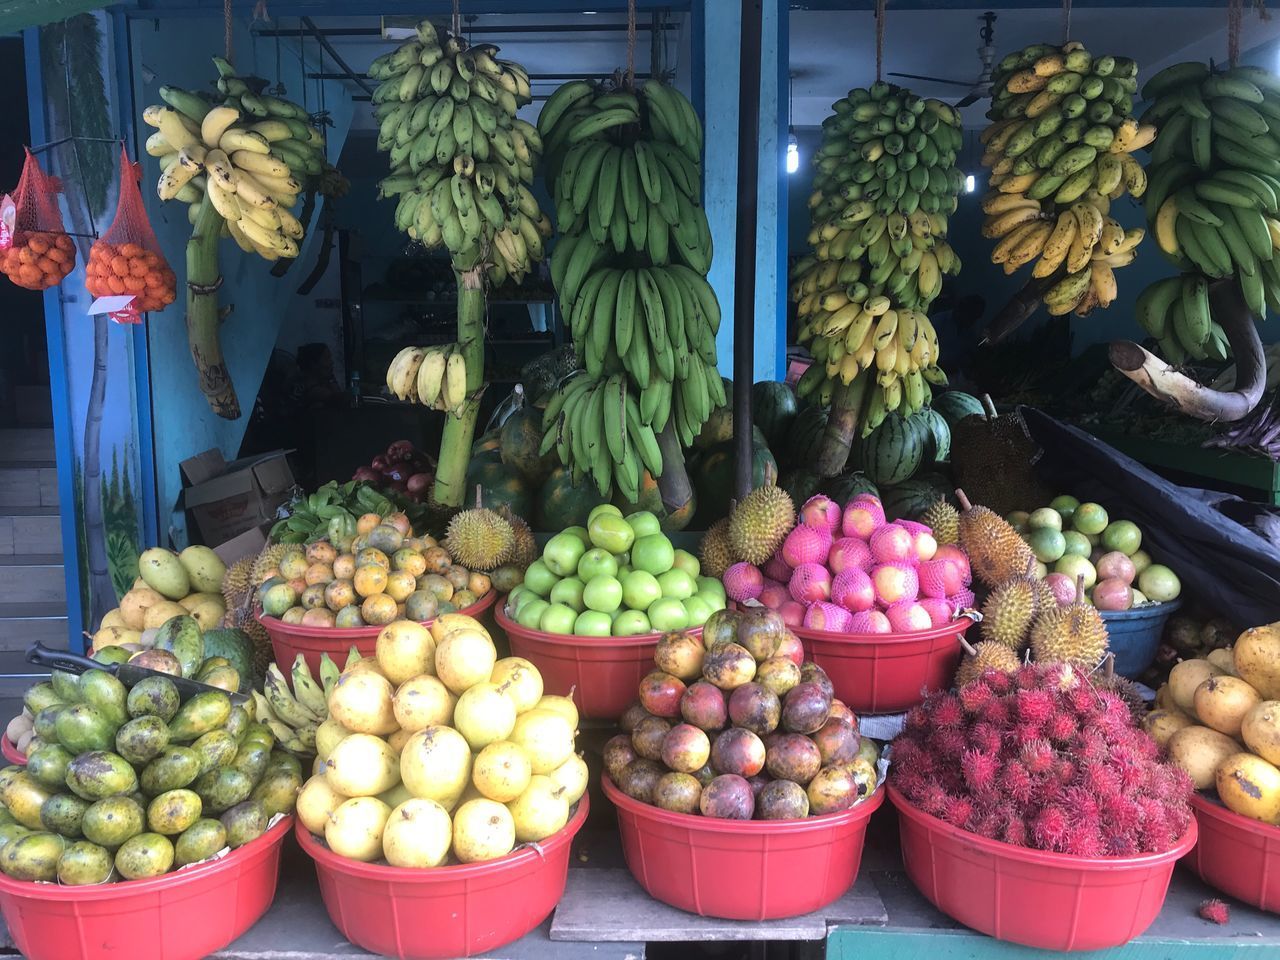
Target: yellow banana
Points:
x,y
215,124
1057,245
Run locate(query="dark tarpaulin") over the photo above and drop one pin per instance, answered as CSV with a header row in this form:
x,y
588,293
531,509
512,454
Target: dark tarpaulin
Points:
x,y
16,15
1227,566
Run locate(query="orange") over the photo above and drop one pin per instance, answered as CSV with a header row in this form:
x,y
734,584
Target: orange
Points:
x,y
409,561
318,617
438,559
344,566
400,584
339,594
372,555
370,581
378,610
321,552
319,573
367,523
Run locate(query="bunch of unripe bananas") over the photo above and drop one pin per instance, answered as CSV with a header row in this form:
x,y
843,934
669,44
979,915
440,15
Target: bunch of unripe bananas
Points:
x,y
294,715
461,160
886,182
1214,197
1175,310
435,377
249,156
631,260
1060,150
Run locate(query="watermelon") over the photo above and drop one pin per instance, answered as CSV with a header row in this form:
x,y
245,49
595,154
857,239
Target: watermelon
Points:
x,y
773,409
937,435
846,486
717,428
806,437
520,438
562,503
893,451
800,484
910,498
499,484
236,647
954,405
712,475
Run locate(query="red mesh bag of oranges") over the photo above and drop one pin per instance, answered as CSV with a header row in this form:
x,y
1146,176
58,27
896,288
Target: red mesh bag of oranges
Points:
x,y
36,251
126,259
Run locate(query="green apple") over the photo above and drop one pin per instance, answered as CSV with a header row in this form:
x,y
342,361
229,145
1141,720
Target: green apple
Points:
x,y
592,623
568,592
1122,535
580,533
561,554
1090,518
540,579
558,618
710,586
518,594
603,594
687,562
644,523
631,623
1065,504
597,562
1046,518
612,533
639,589
602,509
653,554
1077,543
530,615
697,610
677,583
713,601
1073,566
668,614
1047,543
623,570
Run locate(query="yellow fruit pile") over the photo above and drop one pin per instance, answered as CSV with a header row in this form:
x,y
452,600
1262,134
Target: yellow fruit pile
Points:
x,y
170,585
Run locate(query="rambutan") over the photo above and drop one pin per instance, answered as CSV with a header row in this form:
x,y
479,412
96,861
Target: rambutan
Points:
x,y
933,800
947,712
974,696
1036,706
1051,828
980,771
1100,779
958,811
1015,832
918,719
950,743
1061,727
989,824
1215,911
1038,756
1027,677
1083,842
995,711
986,738
1016,783
1000,684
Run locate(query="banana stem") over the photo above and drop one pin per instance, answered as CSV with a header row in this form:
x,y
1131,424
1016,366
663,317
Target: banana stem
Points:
x,y
673,485
203,280
837,439
455,444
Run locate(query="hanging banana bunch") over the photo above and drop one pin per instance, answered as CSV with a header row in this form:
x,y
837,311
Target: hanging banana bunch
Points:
x,y
886,182
461,160
435,377
1060,150
630,269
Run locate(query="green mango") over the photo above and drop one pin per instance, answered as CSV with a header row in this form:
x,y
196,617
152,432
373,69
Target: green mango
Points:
x,y
103,691
142,739
48,764
200,841
33,857
284,760
110,655
225,677
81,727
222,789
83,863
173,812
154,697
244,823
251,760
100,774
63,813
24,797
39,696
217,748
199,715
259,733
146,855
278,792
10,832
237,723
111,822
181,636
176,767
66,685
45,723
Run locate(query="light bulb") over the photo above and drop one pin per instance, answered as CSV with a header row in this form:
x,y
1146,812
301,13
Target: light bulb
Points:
x,y
970,184
793,154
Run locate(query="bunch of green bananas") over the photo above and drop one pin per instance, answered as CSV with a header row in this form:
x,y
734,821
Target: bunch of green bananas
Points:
x,y
461,160
435,377
294,715
1176,312
631,262
885,185
1060,150
595,426
249,156
1214,197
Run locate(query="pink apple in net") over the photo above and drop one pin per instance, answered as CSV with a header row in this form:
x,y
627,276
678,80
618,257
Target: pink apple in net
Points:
x,y
940,610
1112,594
743,581
862,517
849,553
940,578
853,590
805,544
828,617
870,621
792,613
821,513
892,543
1062,587
895,582
810,582
949,551
963,599
922,539
907,616
774,594
775,568
1116,566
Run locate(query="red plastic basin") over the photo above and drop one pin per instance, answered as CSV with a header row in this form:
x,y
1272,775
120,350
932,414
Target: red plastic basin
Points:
x,y
1053,901
11,751
604,673
288,640
1236,854
447,911
180,916
887,672
742,870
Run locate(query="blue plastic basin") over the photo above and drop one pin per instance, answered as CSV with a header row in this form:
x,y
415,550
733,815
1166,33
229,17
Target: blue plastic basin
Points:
x,y
1134,635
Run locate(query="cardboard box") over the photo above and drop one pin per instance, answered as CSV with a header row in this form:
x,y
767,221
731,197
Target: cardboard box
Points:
x,y
249,543
225,500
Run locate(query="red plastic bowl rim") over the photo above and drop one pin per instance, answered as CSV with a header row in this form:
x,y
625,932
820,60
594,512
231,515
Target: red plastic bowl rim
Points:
x,y
356,633
573,640
123,888
1010,851
951,629
463,871
860,810
1203,805
11,751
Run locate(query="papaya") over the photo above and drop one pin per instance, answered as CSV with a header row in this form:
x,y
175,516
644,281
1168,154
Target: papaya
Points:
x,y
518,443
563,503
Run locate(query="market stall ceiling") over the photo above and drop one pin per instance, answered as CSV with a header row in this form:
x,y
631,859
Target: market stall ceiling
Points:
x,y
832,51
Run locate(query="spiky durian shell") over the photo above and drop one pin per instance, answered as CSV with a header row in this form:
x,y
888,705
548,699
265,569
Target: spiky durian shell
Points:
x,y
715,553
987,655
944,520
1011,609
996,552
1075,633
759,524
1126,690
524,548
268,559
236,584
480,539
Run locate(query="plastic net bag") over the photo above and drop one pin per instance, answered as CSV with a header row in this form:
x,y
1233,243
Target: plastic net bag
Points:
x,y
35,251
126,259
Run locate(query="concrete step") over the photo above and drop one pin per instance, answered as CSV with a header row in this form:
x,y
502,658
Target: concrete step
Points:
x,y
21,623
31,484
26,444
33,580
30,530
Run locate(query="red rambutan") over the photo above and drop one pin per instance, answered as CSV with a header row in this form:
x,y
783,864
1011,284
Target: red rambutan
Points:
x,y
1000,683
974,696
1062,726
989,824
958,812
1015,832
1016,783
1083,699
950,743
947,713
1028,677
1100,778
918,719
1084,842
995,712
933,800
1215,911
1035,706
1037,756
980,771
1051,828
909,782
986,738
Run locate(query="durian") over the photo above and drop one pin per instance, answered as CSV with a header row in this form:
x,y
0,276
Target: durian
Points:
x,y
996,552
268,560
944,520
480,539
1075,633
716,555
759,524
992,456
237,587
987,655
1011,609
524,549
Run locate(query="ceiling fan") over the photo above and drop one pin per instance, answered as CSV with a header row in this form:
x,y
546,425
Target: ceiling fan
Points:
x,y
978,89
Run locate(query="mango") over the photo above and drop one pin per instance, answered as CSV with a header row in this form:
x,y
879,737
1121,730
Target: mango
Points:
x,y
244,823
45,723
115,637
251,760
278,792
237,723
160,614
217,748
222,789
10,832
199,715
41,695
165,573
200,841
66,686
48,765
142,739
81,727
111,822
84,863
181,637
173,812
205,569
135,604
99,774
113,654
284,760
63,813
33,857
154,696
176,767
146,855
24,797
112,618
107,694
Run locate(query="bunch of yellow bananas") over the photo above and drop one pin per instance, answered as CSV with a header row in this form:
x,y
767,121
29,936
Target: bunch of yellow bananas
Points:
x,y
435,377
1060,150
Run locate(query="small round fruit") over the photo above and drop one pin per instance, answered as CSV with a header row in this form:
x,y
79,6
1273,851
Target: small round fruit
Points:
x,y
355,829
562,553
569,593
654,554
1074,566
547,737
597,562
418,834
677,792
1077,544
1046,543
667,614
423,702
405,650
484,714
1090,518
520,681
1046,518
685,748
1122,535
644,523
1065,504
728,797
558,618
1159,584
632,623
539,578
592,623
603,594
464,658
501,771
611,532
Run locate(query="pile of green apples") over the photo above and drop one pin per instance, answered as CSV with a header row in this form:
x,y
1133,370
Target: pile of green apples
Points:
x,y
616,577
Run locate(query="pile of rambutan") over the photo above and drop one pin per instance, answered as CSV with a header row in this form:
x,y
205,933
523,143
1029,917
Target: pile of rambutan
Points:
x,y
1043,759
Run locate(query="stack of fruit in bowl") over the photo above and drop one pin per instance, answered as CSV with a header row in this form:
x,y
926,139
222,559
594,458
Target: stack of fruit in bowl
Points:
x,y
169,585
618,576
735,725
839,570
436,752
